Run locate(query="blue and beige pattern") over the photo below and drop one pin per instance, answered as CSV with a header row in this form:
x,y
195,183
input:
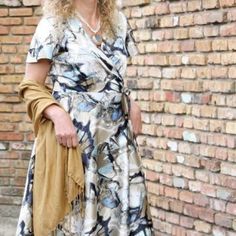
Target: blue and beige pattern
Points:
x,y
88,82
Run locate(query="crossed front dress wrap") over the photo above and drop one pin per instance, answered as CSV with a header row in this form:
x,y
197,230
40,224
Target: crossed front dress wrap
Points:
x,y
88,84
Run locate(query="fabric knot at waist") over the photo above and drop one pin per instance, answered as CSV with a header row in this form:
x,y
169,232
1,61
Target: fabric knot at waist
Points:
x,y
125,101
86,101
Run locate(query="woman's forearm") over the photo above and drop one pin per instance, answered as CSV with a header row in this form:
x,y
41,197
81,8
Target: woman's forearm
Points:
x,y
52,112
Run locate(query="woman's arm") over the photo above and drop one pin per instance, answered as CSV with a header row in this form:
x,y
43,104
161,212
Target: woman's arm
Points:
x,y
64,129
135,117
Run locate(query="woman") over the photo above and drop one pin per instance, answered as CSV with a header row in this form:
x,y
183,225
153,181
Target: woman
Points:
x,y
83,46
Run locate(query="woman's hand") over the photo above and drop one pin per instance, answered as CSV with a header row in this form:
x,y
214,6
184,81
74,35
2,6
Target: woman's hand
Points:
x,y
64,129
135,117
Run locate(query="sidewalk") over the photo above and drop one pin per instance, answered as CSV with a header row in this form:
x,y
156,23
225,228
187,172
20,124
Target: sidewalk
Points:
x,y
7,226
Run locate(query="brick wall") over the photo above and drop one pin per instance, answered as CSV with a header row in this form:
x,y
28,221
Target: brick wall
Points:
x,y
17,24
184,80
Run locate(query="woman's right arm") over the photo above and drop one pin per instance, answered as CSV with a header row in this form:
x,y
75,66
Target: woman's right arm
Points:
x,y
64,129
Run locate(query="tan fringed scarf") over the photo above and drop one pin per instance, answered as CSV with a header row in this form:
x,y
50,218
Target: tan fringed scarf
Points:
x,y
58,174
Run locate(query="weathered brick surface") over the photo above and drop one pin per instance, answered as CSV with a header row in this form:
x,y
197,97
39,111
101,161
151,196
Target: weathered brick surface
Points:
x,y
188,140
184,81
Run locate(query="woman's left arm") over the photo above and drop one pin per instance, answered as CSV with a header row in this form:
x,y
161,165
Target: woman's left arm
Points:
x,y
135,117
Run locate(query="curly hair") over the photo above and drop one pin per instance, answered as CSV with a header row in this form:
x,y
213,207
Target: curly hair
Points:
x,y
62,9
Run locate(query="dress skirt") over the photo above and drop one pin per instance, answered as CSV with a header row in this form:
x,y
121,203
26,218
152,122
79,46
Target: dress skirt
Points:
x,y
115,192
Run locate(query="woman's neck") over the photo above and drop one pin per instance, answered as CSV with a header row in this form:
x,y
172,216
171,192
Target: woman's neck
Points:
x,y
88,9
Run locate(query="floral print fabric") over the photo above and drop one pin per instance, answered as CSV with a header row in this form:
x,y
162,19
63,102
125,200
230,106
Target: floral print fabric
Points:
x,y
88,82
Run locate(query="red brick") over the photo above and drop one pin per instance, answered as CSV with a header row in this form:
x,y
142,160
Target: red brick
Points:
x,y
6,172
218,230
196,32
211,31
194,5
227,3
20,12
4,30
186,221
200,200
18,181
181,33
172,218
9,49
210,4
231,208
203,45
11,39
208,190
202,226
7,127
186,196
180,231
212,165
186,20
171,192
193,233
162,203
19,69
10,21
152,176
31,2
209,17
231,15
228,29
4,181
162,8
6,69
136,2
177,7
223,220
191,210
197,59
7,136
31,20
17,60
218,205
187,46
207,215
23,30
4,12
4,59
176,206
22,49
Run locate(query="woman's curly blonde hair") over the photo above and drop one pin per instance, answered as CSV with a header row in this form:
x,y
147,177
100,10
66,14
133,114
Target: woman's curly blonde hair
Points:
x,y
62,9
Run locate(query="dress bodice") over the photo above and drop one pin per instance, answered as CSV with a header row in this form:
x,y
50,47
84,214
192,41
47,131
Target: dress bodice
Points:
x,y
78,65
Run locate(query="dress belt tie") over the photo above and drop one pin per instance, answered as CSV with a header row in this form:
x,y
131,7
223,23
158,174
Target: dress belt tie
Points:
x,y
125,101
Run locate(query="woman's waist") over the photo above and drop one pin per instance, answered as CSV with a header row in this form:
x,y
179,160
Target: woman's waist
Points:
x,y
101,95
88,101
105,97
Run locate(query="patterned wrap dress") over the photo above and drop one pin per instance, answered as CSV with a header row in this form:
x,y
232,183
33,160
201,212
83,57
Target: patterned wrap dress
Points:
x,y
88,83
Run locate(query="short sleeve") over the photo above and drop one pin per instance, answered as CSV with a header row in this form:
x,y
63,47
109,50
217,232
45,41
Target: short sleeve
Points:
x,y
126,32
43,43
130,43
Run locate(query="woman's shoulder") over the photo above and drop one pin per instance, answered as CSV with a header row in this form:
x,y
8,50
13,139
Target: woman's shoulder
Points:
x,y
46,23
121,23
48,28
122,15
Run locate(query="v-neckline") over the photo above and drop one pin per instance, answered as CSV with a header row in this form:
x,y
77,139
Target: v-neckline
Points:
x,y
98,50
86,33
